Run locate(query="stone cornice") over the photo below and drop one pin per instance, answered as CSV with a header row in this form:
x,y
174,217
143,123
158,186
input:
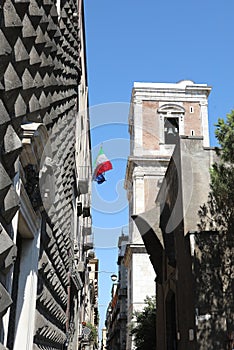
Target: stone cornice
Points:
x,y
35,138
133,249
148,159
144,161
181,91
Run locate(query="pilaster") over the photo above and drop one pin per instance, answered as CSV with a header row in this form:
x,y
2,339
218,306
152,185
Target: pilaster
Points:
x,y
205,125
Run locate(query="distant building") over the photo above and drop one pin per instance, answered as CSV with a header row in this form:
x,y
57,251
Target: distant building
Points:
x,y
93,291
159,114
103,340
122,292
89,307
45,175
116,316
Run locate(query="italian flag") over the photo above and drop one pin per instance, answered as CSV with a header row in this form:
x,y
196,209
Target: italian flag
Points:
x,y
102,164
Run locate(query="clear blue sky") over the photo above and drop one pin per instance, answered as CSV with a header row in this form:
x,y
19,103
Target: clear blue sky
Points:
x,y
150,41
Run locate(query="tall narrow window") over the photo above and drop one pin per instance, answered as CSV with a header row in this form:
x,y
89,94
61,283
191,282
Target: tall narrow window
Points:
x,y
171,130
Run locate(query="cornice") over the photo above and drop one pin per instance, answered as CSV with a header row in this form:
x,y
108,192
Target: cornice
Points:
x,y
148,159
34,140
133,249
142,161
169,92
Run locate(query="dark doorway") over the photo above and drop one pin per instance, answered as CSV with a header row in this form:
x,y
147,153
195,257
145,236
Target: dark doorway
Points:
x,y
171,321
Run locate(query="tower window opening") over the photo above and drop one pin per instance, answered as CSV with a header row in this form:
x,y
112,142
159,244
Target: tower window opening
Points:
x,y
192,133
191,109
171,130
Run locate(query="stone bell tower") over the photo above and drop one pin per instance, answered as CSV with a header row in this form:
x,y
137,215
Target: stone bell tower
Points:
x,y
159,113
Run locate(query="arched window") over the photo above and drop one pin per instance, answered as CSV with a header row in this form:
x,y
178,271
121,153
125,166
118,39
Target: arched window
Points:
x,y
172,117
171,130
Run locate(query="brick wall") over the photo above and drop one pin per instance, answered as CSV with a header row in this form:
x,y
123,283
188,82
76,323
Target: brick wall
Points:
x,y
192,121
150,125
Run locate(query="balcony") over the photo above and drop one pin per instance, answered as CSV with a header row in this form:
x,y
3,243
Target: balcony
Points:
x,y
84,177
87,231
123,292
80,266
88,243
76,278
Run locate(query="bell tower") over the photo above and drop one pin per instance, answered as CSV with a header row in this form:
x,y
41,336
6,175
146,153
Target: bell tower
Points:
x,y
159,114
161,111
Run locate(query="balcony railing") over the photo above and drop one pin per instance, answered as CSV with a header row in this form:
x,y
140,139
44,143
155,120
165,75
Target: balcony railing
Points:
x,y
76,278
87,231
80,266
84,177
88,244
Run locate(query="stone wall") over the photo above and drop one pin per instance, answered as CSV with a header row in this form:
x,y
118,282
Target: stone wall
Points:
x,y
39,77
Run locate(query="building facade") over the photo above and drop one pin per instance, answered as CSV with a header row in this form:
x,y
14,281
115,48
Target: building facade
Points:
x,y
103,340
195,309
45,174
159,114
89,306
116,316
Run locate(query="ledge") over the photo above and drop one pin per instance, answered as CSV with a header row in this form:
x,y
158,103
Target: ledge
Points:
x,y
28,220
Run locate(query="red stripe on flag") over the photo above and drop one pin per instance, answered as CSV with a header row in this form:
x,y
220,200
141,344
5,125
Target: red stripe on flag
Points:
x,y
102,168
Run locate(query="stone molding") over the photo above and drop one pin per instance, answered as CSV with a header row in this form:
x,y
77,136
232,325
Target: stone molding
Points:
x,y
34,141
133,249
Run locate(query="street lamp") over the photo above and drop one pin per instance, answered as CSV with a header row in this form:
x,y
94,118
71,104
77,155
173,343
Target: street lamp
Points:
x,y
113,277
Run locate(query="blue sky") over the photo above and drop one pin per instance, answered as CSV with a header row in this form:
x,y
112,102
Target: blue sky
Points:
x,y
150,41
